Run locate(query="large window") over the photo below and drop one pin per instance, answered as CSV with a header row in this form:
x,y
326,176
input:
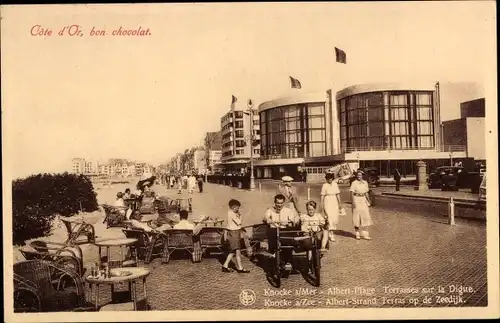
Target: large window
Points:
x,y
387,120
293,131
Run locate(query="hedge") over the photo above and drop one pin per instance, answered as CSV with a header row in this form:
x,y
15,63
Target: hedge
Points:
x,y
37,199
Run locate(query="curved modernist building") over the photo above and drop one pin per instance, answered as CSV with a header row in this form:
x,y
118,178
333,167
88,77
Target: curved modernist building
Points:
x,y
388,117
292,129
393,125
384,125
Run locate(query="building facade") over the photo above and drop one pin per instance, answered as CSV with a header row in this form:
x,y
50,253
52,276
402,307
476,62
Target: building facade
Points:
x,y
292,129
78,165
389,126
468,132
237,146
200,161
385,126
473,109
213,147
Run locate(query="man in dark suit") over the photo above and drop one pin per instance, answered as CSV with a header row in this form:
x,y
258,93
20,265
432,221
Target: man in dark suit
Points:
x,y
397,178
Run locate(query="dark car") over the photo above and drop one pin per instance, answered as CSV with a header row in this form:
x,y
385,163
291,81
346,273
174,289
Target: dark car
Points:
x,y
449,177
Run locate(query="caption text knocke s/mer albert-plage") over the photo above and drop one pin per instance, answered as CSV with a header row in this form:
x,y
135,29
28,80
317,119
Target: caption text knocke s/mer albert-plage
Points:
x,y
79,31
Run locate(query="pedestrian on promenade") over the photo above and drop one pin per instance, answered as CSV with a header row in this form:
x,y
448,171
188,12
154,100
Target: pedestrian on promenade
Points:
x,y
233,237
397,178
331,204
191,183
200,183
179,185
361,217
291,197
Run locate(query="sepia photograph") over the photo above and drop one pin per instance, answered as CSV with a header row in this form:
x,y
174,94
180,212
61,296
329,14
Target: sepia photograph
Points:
x,y
264,161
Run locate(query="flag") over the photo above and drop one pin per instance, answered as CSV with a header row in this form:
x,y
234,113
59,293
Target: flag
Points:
x,y
234,99
295,83
340,56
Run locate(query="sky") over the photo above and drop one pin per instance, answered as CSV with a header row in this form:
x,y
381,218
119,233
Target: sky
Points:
x,y
147,98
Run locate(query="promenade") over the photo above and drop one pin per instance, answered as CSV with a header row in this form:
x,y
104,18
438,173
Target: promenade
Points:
x,y
414,260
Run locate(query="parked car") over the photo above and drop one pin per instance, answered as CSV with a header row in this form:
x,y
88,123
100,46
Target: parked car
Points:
x,y
452,178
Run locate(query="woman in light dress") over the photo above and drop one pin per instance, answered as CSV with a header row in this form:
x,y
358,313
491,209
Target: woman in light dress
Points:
x,y
332,206
360,206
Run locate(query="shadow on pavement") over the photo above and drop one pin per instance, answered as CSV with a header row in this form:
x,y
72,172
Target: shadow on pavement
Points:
x,y
345,234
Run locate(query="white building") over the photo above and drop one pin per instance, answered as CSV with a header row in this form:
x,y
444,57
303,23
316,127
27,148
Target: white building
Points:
x,y
236,133
77,165
200,162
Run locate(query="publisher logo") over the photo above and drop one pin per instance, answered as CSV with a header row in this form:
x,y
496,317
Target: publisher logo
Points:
x,y
247,297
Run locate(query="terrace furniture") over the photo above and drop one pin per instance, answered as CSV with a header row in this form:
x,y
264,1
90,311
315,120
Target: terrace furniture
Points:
x,y
211,239
114,215
209,222
146,243
26,295
147,205
70,256
77,229
257,233
182,204
164,205
132,202
121,243
33,284
120,275
176,239
57,248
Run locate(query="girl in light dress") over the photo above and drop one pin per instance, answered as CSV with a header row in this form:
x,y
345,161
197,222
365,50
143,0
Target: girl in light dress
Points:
x,y
332,206
361,217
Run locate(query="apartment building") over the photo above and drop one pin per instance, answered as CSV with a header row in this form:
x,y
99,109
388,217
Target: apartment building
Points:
x,y
237,145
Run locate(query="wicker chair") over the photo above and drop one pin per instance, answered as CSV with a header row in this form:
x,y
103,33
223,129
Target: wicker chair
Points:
x,y
35,276
147,205
78,229
65,261
211,239
114,216
147,245
176,239
26,295
164,205
257,234
57,252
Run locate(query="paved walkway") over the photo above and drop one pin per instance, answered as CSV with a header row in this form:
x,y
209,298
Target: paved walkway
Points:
x,y
411,260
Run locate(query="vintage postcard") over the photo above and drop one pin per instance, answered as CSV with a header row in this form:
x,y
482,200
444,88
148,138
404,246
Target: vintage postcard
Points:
x,y
263,161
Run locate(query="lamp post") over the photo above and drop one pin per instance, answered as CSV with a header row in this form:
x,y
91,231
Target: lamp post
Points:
x,y
252,138
451,158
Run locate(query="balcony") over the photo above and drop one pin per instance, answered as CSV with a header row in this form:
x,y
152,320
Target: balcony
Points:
x,y
282,156
444,148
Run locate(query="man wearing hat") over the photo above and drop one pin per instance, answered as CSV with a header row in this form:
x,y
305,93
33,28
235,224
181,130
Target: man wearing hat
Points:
x,y
289,193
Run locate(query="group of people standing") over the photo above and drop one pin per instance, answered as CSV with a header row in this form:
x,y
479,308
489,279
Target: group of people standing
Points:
x,y
331,206
189,182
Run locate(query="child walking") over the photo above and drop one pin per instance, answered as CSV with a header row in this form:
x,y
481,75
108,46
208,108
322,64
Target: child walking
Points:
x,y
233,237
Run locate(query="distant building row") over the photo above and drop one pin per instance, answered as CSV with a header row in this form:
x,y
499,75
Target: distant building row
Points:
x,y
121,168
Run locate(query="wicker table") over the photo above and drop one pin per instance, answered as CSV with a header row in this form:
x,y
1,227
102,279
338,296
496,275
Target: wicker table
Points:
x,y
120,275
116,243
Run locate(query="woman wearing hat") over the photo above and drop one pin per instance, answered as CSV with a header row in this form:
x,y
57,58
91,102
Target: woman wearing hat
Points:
x,y
360,203
330,201
289,193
